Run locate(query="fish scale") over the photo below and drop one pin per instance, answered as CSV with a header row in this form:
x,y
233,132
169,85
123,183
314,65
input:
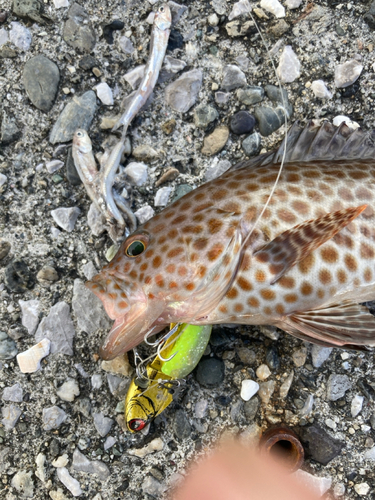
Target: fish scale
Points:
x,y
312,250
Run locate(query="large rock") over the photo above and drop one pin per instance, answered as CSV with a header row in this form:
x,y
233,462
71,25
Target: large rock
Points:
x,y
78,31
41,78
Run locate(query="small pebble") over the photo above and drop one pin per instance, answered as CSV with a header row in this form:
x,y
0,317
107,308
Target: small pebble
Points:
x,y
182,94
181,425
289,68
20,36
337,386
299,357
145,152
29,361
66,218
320,90
54,165
263,372
215,142
242,123
162,196
61,461
286,385
210,372
266,390
250,95
248,389
137,173
10,414
216,169
23,483
58,327
356,405
96,381
109,442
8,348
170,175
293,4
362,489
251,144
337,120
222,97
68,390
104,93
271,119
102,424
308,406
319,355
144,214
13,393
68,481
155,445
41,78
30,314
78,31
5,247
204,115
348,73
53,417
153,487
239,8
233,77
274,7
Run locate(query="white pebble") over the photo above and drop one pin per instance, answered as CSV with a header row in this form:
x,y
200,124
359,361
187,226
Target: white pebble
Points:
x,y
69,481
346,74
213,20
96,381
145,213
137,173
60,3
273,6
293,4
308,406
20,36
66,217
285,386
29,361
109,442
320,90
68,390
239,8
341,118
54,165
370,454
362,489
162,196
263,372
155,445
248,389
135,76
356,406
339,490
3,179
331,423
104,92
61,461
289,68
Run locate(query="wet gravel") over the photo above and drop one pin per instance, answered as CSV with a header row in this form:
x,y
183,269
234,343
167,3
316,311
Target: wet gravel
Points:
x,y
62,426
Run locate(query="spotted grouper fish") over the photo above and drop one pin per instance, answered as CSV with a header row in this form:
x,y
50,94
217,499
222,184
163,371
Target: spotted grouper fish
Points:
x,y
305,266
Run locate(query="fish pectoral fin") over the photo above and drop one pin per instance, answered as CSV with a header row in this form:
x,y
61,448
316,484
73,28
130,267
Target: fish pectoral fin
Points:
x,y
341,325
293,245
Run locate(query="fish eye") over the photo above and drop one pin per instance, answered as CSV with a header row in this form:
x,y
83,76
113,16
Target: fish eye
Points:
x,y
79,134
135,248
137,424
161,9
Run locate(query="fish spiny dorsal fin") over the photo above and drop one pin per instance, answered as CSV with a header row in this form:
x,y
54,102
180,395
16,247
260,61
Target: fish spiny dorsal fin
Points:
x,y
317,142
339,325
295,244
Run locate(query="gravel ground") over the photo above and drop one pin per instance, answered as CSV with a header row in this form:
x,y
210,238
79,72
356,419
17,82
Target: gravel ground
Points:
x,y
327,396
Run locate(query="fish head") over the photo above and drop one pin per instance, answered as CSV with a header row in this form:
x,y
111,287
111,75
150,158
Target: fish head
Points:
x,y
81,141
163,17
174,269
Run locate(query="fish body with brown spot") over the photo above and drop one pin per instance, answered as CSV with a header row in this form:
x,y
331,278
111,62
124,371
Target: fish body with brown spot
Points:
x,y
304,266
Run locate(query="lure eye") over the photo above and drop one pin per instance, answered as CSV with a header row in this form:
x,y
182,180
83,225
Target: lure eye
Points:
x,y
137,424
135,248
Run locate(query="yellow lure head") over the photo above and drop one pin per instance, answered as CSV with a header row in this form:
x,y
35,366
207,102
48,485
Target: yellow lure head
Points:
x,y
143,404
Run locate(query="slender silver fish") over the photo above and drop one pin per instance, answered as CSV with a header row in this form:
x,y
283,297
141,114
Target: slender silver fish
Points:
x,y
158,47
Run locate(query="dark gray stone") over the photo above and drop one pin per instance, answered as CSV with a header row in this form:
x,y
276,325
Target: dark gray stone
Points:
x,y
369,17
31,9
271,119
78,31
233,78
250,409
58,327
41,78
88,62
272,358
78,113
5,247
276,95
204,115
251,145
319,445
210,372
9,131
8,348
18,277
242,123
250,95
181,425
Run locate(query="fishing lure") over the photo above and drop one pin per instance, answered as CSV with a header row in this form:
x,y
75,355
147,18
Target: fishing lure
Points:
x,y
151,390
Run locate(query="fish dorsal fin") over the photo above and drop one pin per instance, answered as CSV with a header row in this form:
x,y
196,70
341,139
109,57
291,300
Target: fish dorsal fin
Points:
x,y
341,325
296,243
316,142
